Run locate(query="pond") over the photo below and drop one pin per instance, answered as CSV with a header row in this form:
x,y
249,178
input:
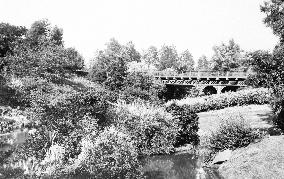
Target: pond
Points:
x,y
178,166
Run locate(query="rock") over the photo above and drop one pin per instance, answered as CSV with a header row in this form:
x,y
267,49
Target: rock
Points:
x,y
222,156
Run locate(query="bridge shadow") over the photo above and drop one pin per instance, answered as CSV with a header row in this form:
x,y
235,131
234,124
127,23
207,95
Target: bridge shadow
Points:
x,y
269,118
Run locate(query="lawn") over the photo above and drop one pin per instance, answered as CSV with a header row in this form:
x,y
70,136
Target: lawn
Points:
x,y
258,116
263,160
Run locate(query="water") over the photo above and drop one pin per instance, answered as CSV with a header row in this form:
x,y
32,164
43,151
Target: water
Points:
x,y
178,166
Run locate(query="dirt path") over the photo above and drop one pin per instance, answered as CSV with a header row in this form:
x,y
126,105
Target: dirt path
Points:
x,y
259,116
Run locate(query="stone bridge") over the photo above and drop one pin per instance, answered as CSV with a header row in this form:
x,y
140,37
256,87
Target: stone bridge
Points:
x,y
210,82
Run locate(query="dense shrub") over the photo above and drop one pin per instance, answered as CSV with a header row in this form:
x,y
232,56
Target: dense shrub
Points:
x,y
188,124
111,154
152,128
140,85
220,101
233,132
269,72
63,113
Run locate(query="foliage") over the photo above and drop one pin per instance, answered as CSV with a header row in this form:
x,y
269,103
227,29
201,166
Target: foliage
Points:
x,y
111,154
228,57
188,123
64,115
203,63
167,57
41,30
269,73
140,85
274,16
151,56
74,60
263,65
220,101
185,62
152,129
110,67
37,62
140,67
233,132
57,35
129,53
9,34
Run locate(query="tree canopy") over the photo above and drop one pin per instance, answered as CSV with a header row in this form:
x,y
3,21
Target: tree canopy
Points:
x,y
184,62
203,63
167,57
274,10
227,57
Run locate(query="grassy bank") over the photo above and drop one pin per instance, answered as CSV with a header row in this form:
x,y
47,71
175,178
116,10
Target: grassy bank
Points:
x,y
264,159
257,115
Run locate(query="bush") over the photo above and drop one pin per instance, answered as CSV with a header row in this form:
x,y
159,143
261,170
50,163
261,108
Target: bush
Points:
x,y
220,101
139,85
111,154
64,114
152,128
188,124
233,132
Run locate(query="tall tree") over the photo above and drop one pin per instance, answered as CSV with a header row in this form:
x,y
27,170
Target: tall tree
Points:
x,y
167,57
185,62
129,53
151,56
227,57
39,30
57,35
113,47
109,67
203,63
9,35
274,10
74,60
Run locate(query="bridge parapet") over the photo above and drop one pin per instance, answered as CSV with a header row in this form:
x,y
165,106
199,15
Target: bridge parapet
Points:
x,y
202,74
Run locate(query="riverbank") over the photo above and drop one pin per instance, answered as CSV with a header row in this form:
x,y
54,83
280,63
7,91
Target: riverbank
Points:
x,y
264,159
261,159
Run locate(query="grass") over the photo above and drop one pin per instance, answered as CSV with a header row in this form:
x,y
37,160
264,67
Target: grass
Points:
x,y
264,159
258,116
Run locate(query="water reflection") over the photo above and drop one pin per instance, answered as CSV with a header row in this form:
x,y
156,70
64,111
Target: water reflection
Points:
x,y
179,166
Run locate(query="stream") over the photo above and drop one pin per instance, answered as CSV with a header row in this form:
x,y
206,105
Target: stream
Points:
x,y
178,166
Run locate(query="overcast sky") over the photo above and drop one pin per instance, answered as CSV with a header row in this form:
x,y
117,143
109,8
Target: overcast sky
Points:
x,y
196,25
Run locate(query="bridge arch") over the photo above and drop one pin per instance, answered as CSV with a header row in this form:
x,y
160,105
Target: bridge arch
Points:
x,y
229,89
207,90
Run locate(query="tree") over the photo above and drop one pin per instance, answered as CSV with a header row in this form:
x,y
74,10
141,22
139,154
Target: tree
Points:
x,y
47,58
39,30
167,57
227,57
151,56
129,53
185,62
9,35
274,17
109,67
113,47
75,61
57,35
139,85
203,63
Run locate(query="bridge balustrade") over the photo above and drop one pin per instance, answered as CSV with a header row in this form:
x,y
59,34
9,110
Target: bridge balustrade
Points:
x,y
202,74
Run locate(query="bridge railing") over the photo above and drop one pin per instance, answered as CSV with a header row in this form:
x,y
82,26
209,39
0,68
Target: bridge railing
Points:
x,y
204,74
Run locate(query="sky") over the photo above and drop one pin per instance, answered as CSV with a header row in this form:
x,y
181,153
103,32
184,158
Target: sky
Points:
x,y
196,25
